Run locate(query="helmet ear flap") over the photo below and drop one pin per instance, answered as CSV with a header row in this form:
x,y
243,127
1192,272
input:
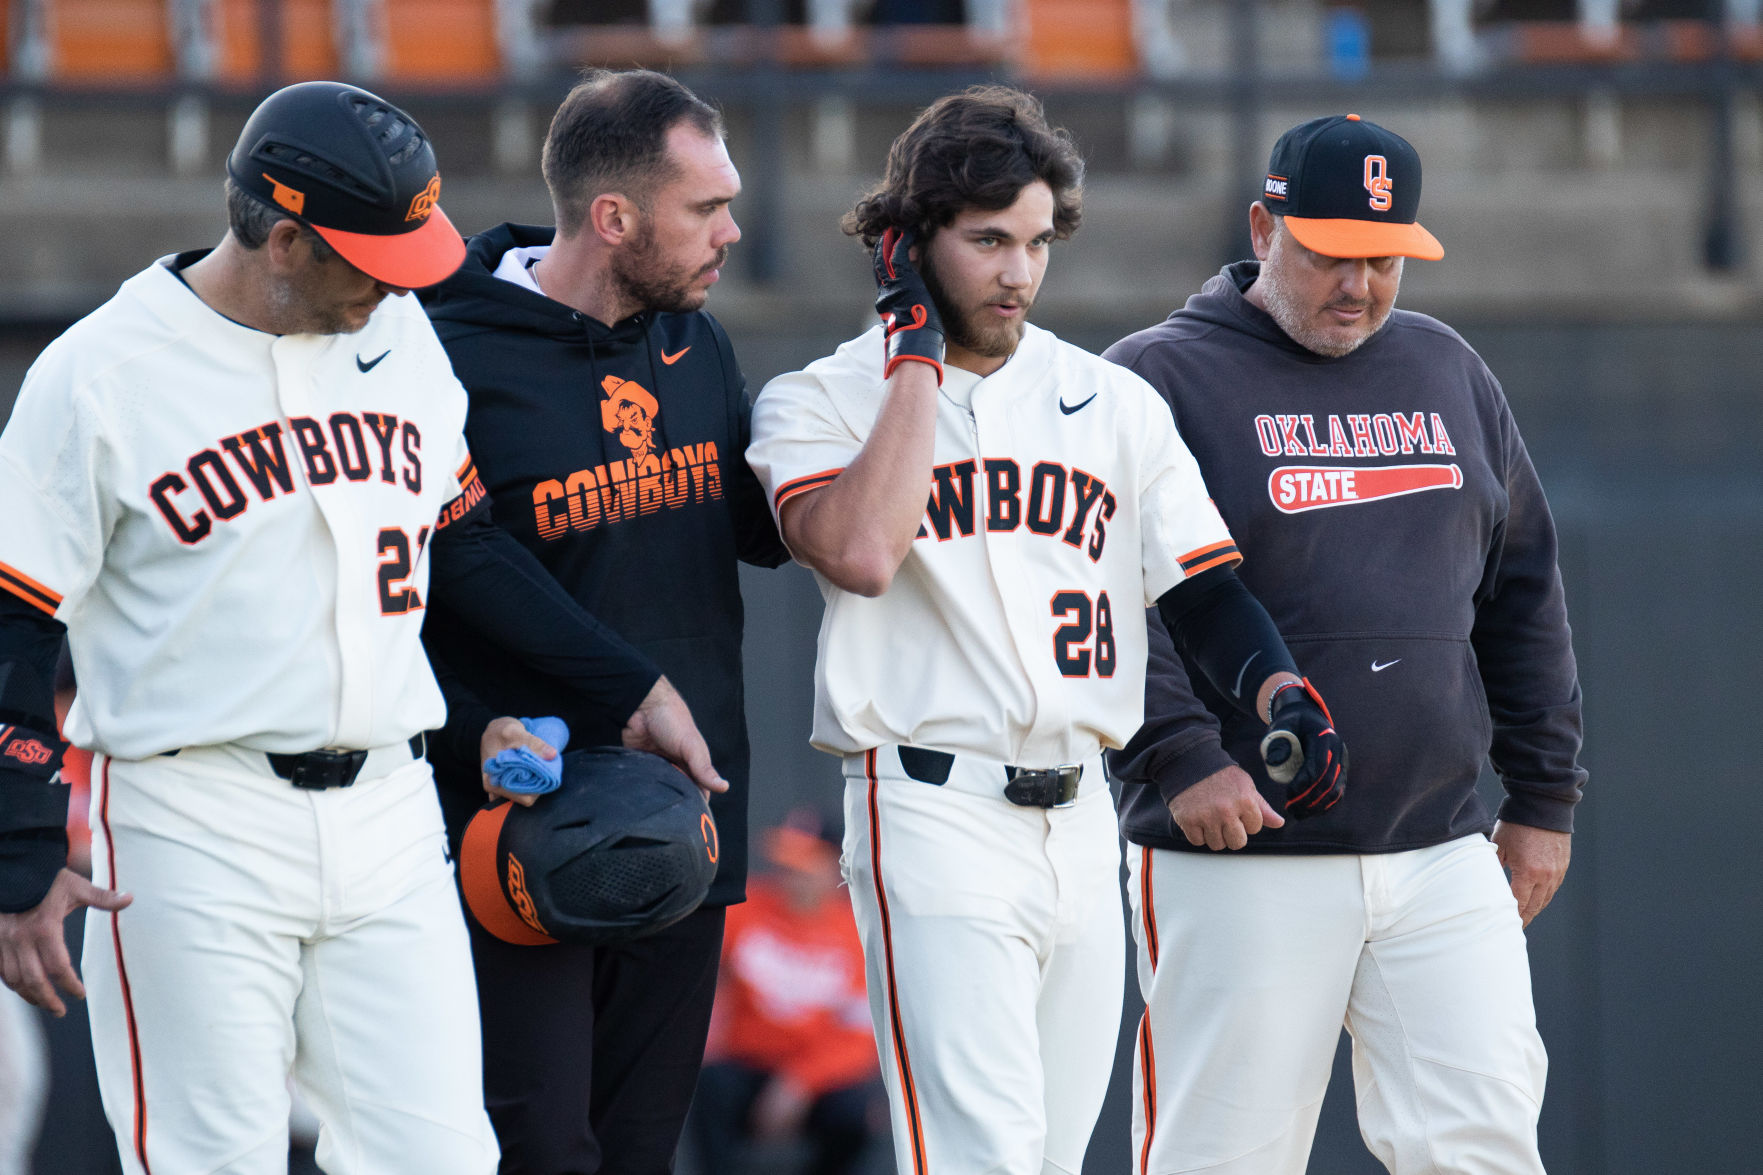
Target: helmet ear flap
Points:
x,y
625,847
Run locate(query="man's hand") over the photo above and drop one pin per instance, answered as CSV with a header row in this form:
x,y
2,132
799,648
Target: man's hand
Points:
x,y
33,946
1536,860
505,734
663,725
1302,749
1223,810
914,328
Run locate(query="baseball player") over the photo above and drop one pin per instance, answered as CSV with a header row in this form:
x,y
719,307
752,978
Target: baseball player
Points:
x,y
1392,522
233,487
980,649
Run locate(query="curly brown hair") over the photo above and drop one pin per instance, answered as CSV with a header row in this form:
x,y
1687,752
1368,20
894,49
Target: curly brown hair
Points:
x,y
975,149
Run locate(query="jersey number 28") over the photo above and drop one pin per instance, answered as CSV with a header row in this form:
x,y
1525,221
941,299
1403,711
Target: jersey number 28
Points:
x,y
1073,650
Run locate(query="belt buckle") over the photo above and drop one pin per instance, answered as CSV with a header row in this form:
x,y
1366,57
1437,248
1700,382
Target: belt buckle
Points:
x,y
320,770
1051,787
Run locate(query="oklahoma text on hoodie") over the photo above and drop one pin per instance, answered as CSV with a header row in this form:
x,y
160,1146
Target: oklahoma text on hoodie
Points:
x,y
614,453
1392,524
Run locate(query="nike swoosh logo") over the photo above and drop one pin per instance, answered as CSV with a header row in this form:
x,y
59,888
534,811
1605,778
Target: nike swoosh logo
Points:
x,y
1069,409
367,365
670,360
1376,668
1236,691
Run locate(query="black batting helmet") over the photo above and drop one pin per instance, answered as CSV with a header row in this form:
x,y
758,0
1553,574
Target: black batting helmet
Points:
x,y
357,169
625,847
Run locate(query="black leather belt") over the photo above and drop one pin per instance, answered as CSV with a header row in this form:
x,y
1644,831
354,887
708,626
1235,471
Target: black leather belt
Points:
x,y
318,770
1030,787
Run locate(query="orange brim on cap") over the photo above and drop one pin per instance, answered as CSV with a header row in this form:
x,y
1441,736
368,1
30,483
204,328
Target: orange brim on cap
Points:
x,y
410,260
1364,238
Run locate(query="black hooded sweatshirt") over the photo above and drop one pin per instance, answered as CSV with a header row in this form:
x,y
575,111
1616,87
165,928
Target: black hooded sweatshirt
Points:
x,y
616,455
1393,526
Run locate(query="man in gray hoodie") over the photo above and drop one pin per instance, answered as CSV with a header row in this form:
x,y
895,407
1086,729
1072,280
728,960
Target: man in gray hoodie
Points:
x,y
1389,517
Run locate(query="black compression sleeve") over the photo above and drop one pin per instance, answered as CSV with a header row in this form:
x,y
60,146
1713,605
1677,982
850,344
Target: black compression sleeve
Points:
x,y
461,737
33,801
1224,630
491,582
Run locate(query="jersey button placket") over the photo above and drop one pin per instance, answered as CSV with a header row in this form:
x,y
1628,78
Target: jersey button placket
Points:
x,y
1012,579
299,363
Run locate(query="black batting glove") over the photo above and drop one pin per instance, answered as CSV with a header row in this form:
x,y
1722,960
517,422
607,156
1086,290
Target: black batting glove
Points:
x,y
1303,751
915,330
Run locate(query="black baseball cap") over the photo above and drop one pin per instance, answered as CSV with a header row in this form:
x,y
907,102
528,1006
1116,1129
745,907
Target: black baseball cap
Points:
x,y
356,169
1349,188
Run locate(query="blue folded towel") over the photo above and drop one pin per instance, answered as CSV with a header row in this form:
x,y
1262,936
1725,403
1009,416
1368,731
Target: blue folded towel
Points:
x,y
522,772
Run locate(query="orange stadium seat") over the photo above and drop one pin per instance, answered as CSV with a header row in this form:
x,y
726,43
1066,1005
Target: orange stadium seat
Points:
x,y
1091,39
1561,42
449,41
307,33
110,41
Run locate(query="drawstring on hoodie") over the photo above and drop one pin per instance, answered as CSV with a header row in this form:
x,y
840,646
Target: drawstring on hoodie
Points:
x,y
661,445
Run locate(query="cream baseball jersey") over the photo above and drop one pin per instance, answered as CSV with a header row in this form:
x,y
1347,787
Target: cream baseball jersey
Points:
x,y
1062,504
234,524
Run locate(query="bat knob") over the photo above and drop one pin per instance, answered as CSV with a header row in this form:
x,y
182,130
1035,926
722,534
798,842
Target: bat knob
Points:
x,y
1283,754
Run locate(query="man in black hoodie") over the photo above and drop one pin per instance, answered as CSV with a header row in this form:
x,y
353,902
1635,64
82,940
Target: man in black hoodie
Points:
x,y
609,419
1391,521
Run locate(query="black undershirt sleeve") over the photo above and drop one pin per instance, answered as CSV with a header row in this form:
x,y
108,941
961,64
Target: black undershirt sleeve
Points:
x,y
494,585
33,800
461,737
1223,629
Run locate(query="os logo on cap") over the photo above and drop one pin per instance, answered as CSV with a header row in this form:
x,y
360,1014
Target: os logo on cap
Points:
x,y
1349,188
1377,182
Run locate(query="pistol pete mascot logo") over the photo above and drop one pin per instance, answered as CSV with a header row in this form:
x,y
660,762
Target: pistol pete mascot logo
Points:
x,y
629,411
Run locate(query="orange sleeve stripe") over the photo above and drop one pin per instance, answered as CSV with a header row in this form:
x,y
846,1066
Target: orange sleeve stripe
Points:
x,y
459,475
29,590
1223,559
1212,555
802,485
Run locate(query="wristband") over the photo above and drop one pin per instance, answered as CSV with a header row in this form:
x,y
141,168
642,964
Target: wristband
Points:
x,y
1273,698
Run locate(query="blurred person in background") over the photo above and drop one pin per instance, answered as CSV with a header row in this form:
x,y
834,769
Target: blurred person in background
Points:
x,y
791,1054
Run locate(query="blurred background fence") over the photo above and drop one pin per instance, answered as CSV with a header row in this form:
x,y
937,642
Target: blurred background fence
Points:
x,y
1593,167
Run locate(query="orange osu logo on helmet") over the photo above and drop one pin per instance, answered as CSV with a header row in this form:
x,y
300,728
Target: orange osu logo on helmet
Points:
x,y
712,845
425,200
523,901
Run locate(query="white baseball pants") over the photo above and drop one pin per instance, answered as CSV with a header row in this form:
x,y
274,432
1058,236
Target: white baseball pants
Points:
x,y
276,930
24,1081
1250,965
993,943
